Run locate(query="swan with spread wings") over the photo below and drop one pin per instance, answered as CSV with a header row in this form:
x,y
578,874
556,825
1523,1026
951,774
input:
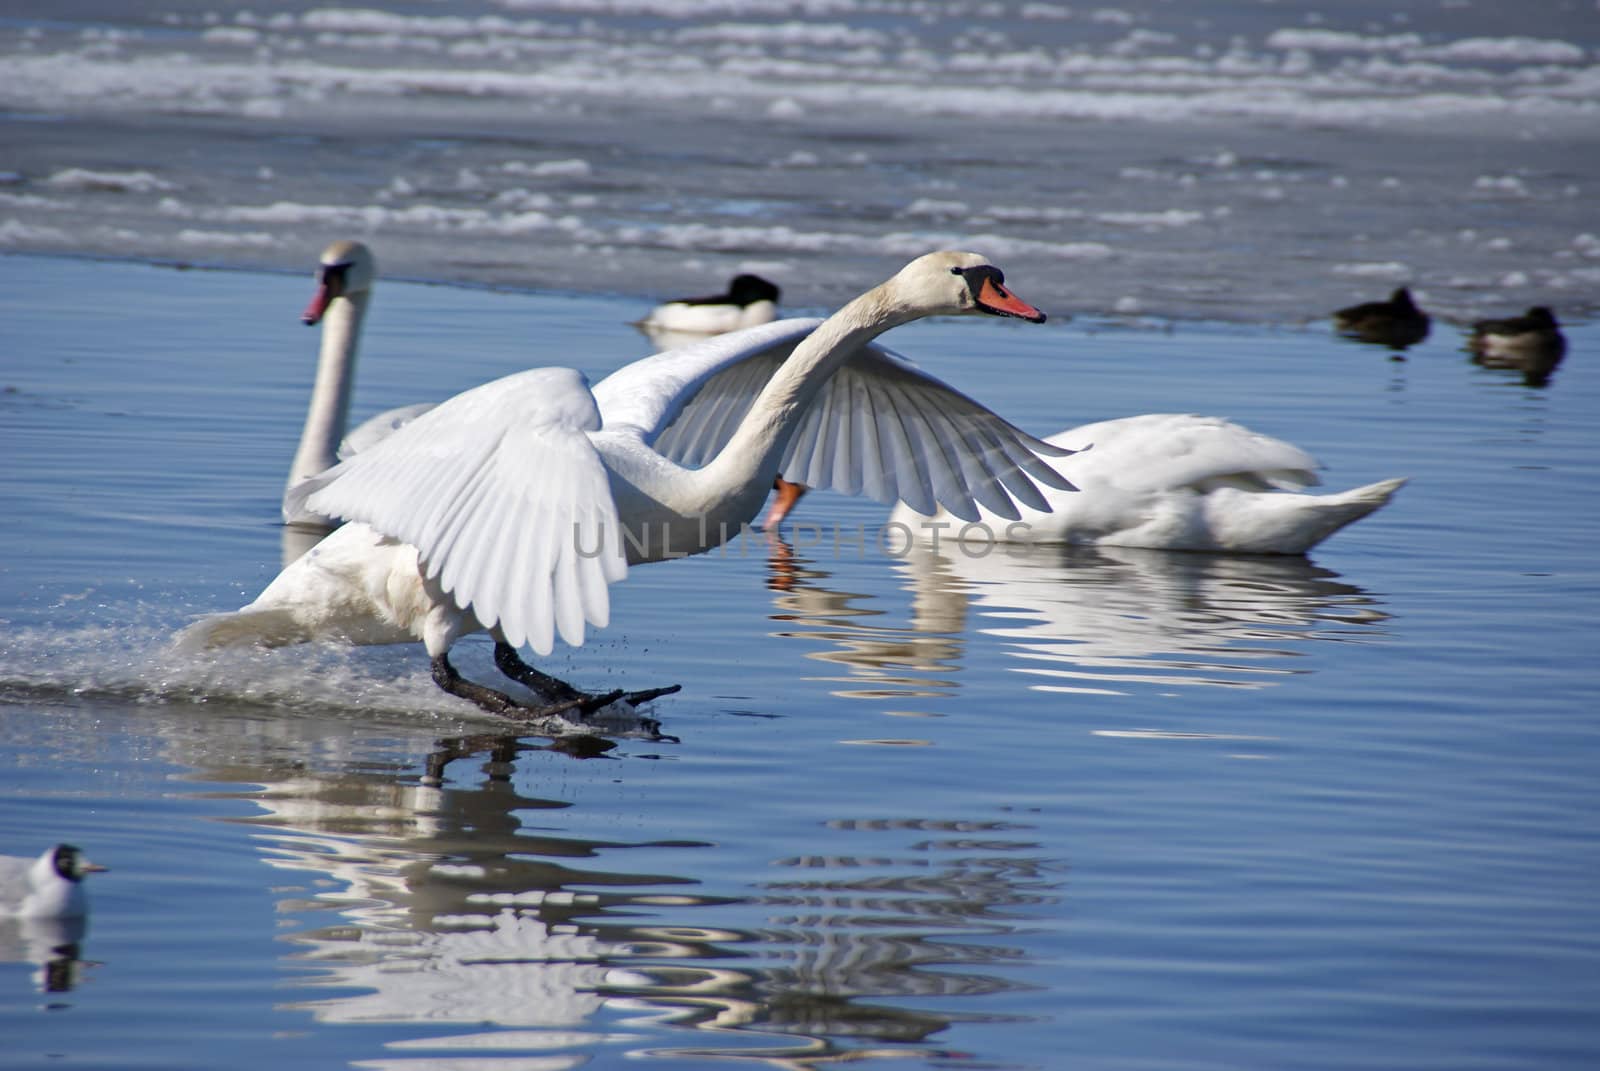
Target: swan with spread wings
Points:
x,y
514,505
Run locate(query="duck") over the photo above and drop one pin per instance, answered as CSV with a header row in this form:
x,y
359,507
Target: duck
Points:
x,y
749,301
1163,481
1396,323
512,506
1531,343
49,886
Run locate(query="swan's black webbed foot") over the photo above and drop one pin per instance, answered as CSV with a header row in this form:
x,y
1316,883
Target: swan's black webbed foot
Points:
x,y
509,662
448,678
633,699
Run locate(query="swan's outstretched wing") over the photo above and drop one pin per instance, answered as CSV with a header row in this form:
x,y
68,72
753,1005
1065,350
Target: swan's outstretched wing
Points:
x,y
880,427
506,498
367,434
649,394
373,430
1167,451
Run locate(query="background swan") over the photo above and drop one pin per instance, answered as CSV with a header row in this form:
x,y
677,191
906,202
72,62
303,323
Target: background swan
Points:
x,y
1172,481
346,273
512,506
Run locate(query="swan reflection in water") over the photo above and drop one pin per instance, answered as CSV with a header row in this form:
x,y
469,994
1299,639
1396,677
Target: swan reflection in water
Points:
x,y
464,907
1104,620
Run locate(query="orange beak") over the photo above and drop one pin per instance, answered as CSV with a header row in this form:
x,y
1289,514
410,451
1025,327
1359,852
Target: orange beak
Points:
x,y
992,297
319,304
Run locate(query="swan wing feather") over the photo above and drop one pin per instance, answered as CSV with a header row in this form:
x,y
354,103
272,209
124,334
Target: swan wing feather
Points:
x,y
896,433
650,394
506,499
881,426
376,428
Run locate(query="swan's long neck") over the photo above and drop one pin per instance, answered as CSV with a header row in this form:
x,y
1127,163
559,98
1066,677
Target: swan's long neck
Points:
x,y
330,396
753,453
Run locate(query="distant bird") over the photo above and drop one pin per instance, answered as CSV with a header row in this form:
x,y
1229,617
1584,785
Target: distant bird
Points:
x,y
50,886
1531,343
1396,323
748,302
1168,481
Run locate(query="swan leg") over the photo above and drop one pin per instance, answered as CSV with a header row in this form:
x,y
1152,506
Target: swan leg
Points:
x,y
448,678
509,662
784,501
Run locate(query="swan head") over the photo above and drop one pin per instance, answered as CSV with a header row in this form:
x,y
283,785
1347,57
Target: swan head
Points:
x,y
346,269
953,283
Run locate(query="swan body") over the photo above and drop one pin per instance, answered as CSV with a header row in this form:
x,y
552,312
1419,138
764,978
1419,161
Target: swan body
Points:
x,y
1397,322
47,887
748,302
1176,482
513,506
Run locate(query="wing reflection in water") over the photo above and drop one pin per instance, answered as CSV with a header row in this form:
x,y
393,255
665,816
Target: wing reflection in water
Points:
x,y
880,659
856,948
458,907
1078,619
449,910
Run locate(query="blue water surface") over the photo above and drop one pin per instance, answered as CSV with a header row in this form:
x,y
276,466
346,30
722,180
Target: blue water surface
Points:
x,y
1095,808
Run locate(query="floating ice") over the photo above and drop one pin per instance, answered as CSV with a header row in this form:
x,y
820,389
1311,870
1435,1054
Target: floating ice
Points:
x,y
1383,270
78,178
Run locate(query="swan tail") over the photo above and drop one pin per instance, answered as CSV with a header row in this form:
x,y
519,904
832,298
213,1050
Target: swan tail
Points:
x,y
1356,503
270,627
1328,514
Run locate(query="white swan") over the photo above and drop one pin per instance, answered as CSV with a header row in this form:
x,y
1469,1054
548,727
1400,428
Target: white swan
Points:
x,y
513,505
346,272
1172,481
749,301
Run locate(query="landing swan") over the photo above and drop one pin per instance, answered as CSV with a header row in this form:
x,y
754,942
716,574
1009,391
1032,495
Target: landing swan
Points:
x,y
511,507
1171,481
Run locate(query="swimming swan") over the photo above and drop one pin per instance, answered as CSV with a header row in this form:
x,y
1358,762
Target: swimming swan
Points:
x,y
1170,481
512,506
346,272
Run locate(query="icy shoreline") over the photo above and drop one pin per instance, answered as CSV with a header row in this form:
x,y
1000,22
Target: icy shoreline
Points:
x,y
1124,161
